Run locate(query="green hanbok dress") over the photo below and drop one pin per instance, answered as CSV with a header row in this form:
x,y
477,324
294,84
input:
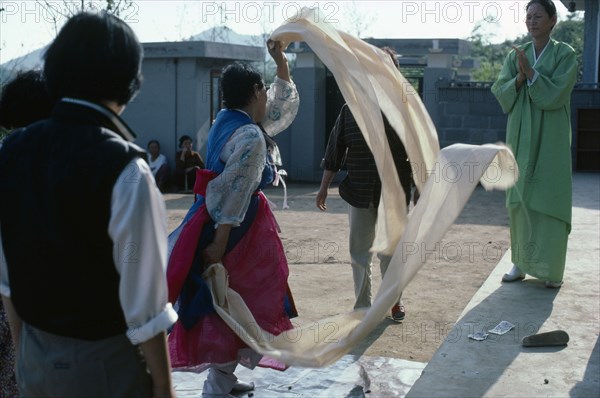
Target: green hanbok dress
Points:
x,y
539,134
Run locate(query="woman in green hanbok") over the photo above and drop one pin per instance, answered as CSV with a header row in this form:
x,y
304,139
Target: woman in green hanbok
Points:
x,y
534,88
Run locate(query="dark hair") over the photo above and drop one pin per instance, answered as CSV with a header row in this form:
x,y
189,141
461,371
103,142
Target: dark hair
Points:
x,y
393,54
547,4
24,100
184,138
153,142
237,84
95,57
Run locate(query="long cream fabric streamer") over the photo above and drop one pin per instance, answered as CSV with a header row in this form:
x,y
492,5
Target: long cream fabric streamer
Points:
x,y
369,82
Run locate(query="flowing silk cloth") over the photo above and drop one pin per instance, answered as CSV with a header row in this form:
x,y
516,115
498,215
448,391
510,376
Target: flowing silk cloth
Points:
x,y
370,82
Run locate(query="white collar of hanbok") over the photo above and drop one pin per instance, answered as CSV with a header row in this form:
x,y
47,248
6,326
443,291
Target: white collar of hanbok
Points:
x,y
537,58
244,112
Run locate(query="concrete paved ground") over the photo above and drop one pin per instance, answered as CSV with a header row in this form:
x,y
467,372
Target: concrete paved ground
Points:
x,y
500,366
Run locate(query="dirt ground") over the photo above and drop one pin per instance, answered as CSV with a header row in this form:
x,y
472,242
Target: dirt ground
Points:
x,y
316,246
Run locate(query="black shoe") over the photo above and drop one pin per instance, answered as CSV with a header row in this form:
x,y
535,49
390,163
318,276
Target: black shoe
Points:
x,y
241,386
398,313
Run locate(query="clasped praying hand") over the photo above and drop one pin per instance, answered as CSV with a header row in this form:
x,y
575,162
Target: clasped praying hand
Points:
x,y
525,69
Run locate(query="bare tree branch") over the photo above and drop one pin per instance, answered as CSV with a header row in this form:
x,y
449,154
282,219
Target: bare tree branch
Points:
x,y
358,21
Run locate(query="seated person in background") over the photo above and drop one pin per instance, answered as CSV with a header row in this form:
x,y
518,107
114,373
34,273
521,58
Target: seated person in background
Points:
x,y
158,165
187,161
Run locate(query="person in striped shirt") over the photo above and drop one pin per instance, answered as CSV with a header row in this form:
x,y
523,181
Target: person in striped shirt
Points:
x,y
361,189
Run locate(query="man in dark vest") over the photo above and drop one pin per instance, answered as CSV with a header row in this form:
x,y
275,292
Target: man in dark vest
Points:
x,y
83,232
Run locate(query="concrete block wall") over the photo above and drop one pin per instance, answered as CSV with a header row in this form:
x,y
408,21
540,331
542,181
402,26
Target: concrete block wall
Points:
x,y
468,113
463,112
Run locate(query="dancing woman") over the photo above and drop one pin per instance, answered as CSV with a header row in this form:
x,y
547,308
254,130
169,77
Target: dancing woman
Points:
x,y
231,223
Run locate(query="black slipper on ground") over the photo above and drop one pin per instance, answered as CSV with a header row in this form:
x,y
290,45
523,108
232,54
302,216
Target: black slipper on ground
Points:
x,y
553,338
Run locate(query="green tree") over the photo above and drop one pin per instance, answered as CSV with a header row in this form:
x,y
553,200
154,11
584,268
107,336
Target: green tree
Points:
x,y
489,55
487,71
571,31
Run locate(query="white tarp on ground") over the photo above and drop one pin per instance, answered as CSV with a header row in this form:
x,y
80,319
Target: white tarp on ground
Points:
x,y
369,82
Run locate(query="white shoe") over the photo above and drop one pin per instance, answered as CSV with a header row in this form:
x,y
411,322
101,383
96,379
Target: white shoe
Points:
x,y
219,382
514,274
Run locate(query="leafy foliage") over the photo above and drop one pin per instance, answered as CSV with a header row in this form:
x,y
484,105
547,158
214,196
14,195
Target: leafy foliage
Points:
x,y
571,32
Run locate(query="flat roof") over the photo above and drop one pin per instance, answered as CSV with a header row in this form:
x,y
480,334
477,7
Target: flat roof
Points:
x,y
406,47
203,49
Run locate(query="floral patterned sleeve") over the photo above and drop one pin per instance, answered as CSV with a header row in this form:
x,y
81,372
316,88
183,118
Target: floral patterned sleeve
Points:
x,y
228,195
282,106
